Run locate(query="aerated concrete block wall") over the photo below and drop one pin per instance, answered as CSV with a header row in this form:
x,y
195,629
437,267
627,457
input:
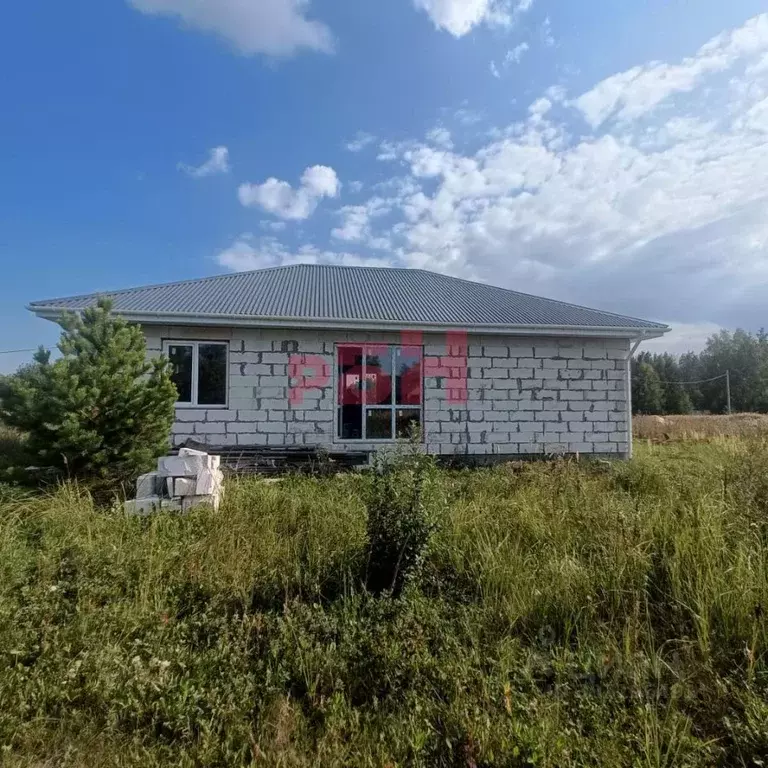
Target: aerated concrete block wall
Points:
x,y
524,395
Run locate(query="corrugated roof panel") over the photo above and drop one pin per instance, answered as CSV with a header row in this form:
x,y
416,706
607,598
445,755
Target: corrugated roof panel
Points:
x,y
320,292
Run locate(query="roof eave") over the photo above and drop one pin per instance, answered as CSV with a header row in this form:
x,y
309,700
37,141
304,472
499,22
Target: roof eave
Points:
x,y
203,319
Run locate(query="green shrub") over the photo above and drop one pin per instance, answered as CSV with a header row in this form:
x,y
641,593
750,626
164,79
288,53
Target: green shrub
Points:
x,y
402,516
101,412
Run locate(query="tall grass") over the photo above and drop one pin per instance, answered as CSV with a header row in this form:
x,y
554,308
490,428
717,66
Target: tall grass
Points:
x,y
567,614
700,427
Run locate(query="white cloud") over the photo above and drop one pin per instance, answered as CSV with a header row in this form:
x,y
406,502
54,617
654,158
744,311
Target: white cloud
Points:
x,y
271,27
540,107
759,67
357,219
246,253
460,16
632,94
495,70
666,218
281,199
441,137
217,162
515,55
360,142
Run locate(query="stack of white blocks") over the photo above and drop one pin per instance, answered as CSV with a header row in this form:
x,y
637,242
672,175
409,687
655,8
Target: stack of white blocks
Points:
x,y
180,483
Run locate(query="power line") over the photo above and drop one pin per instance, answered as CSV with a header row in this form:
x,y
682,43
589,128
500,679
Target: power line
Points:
x,y
698,381
14,351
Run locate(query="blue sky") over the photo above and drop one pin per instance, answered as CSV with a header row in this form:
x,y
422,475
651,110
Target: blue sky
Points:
x,y
610,154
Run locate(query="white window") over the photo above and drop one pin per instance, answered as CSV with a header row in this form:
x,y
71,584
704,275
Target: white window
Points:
x,y
199,370
379,388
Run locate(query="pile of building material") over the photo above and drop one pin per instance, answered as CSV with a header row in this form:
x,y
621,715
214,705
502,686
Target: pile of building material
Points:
x,y
180,483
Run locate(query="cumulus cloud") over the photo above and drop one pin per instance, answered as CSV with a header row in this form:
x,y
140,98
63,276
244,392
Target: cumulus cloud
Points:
x,y
664,216
458,17
217,162
248,253
631,94
272,27
357,221
281,199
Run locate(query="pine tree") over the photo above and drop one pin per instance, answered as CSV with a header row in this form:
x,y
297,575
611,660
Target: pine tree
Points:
x,y
647,393
100,413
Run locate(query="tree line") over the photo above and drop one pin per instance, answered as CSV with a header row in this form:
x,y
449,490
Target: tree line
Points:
x,y
660,381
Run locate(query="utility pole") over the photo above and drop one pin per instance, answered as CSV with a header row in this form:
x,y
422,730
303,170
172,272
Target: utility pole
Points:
x,y
728,389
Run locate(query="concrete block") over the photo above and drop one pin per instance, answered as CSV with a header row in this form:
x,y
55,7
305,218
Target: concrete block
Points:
x,y
522,416
494,351
518,350
193,452
190,414
208,482
257,345
250,415
274,405
580,447
183,486
273,426
182,466
210,428
148,486
142,506
251,438
257,369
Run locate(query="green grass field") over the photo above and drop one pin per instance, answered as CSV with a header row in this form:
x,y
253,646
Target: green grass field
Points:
x,y
567,615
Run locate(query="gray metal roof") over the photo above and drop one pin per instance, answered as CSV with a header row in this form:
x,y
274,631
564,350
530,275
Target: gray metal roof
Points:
x,y
317,293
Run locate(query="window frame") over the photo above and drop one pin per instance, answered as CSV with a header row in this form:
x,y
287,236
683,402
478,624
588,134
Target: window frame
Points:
x,y
195,344
393,407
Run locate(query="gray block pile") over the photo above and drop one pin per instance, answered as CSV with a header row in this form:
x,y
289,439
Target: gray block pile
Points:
x,y
180,483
